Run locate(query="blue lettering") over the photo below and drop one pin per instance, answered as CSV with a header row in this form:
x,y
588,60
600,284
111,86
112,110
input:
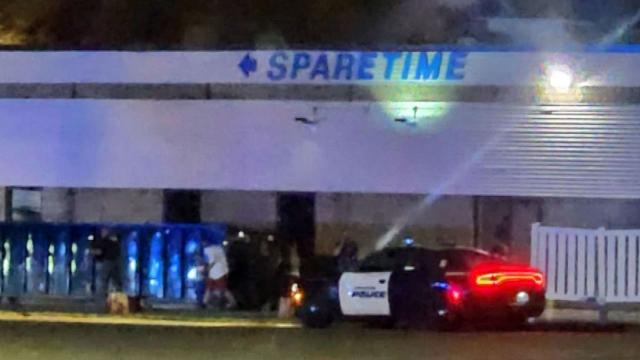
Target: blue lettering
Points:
x,y
367,62
455,67
369,294
429,69
277,63
301,61
321,67
408,59
391,58
344,63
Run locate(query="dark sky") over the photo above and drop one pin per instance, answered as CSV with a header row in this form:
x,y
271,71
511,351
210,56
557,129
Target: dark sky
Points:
x,y
223,23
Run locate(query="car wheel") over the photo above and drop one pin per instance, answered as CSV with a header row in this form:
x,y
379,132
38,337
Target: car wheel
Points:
x,y
449,323
316,316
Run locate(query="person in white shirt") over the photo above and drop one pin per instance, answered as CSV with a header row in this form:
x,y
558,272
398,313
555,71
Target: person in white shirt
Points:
x,y
218,269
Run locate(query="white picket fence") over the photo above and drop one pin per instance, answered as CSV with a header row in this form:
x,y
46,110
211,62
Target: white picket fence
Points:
x,y
585,264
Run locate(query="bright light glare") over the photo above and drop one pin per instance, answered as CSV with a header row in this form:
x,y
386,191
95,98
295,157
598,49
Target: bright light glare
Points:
x,y
560,78
296,294
192,274
133,265
454,295
522,298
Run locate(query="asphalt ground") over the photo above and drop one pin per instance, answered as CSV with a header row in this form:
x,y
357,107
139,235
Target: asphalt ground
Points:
x,y
265,340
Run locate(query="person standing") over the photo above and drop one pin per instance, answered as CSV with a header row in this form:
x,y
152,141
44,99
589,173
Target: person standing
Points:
x,y
502,232
502,237
218,270
200,279
287,273
106,255
348,256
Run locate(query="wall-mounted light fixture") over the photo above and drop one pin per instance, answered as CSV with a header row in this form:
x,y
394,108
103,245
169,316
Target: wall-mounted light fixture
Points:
x,y
313,120
409,120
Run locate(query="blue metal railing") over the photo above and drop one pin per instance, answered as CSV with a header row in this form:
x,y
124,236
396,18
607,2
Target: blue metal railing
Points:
x,y
158,260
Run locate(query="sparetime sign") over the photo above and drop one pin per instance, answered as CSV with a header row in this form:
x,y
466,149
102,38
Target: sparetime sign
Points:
x,y
360,66
431,66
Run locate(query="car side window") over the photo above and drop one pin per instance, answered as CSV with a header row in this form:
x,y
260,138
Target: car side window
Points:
x,y
463,260
388,260
399,260
380,261
453,261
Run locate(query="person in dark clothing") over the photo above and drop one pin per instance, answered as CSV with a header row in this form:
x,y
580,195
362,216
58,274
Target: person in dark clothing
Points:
x,y
502,233
106,255
348,256
500,251
201,276
284,280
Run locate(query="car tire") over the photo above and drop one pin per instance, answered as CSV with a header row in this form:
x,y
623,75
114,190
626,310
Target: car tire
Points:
x,y
449,323
316,316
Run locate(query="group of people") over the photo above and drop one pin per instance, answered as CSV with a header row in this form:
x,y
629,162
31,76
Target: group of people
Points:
x,y
106,252
213,270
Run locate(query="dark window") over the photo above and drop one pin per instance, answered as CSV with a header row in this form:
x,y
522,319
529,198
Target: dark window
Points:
x,y
26,204
296,221
181,206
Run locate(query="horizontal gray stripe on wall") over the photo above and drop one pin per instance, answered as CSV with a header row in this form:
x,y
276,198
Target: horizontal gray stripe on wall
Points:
x,y
524,95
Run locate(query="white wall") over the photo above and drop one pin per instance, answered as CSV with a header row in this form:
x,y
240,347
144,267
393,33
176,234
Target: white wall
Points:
x,y
454,148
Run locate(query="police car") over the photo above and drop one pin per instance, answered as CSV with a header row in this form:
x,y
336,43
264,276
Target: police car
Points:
x,y
413,286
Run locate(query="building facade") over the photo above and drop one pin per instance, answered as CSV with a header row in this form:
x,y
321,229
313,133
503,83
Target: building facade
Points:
x,y
446,145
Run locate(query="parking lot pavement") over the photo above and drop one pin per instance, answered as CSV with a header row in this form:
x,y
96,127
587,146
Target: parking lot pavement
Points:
x,y
551,319
53,341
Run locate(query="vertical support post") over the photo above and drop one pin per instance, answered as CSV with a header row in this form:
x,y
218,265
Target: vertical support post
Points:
x,y
601,273
165,263
476,221
534,243
183,243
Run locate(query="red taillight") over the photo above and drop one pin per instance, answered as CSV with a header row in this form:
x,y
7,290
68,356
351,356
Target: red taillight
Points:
x,y
492,275
499,278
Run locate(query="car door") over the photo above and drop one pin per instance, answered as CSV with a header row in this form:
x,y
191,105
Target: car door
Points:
x,y
366,292
412,296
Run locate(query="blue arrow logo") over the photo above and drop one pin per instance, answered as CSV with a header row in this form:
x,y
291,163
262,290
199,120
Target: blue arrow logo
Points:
x,y
248,65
